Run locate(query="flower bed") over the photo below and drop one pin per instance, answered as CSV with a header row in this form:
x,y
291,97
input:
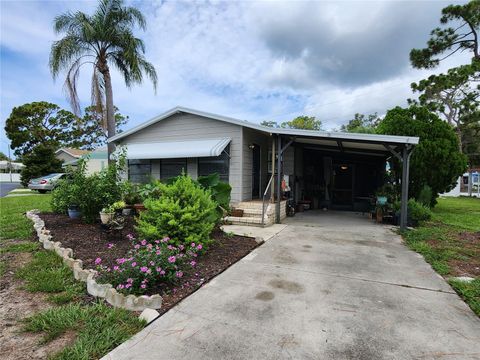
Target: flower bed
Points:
x,y
95,249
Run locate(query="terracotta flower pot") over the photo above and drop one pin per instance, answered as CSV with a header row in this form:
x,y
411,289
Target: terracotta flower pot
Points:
x,y
139,207
237,212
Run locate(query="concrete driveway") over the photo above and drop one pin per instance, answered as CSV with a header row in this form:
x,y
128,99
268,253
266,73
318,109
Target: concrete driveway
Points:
x,y
329,286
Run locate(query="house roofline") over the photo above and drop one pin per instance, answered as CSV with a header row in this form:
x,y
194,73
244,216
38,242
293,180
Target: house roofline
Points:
x,y
343,136
68,152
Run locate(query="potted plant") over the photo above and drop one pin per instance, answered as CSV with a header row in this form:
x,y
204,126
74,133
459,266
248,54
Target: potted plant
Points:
x,y
237,212
107,213
150,190
117,222
131,198
74,212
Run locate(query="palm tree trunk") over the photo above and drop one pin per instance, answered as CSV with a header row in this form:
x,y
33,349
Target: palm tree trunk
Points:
x,y
110,111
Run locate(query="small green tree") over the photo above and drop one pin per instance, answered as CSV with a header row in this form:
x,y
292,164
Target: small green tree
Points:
x,y
41,161
3,156
361,124
36,123
94,127
303,122
436,161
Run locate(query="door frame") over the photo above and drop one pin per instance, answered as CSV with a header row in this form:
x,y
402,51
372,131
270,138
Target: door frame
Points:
x,y
259,195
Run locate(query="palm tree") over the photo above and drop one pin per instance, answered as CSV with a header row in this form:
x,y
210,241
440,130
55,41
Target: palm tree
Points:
x,y
102,39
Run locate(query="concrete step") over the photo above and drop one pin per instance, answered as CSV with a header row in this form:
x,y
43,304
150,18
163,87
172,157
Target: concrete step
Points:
x,y
249,205
235,220
256,212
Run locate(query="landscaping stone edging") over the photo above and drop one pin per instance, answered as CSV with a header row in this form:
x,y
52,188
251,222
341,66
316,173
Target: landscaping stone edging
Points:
x,y
106,291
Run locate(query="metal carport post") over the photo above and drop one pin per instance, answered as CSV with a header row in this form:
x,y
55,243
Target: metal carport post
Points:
x,y
280,152
405,178
405,159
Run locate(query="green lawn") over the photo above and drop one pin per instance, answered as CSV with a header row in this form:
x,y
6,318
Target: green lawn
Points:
x,y
448,240
98,328
13,223
460,212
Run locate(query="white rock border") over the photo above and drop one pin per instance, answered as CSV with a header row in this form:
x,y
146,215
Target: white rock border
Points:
x,y
106,291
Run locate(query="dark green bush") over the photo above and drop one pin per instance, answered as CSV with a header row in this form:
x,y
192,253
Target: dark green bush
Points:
x,y
185,213
426,196
220,192
418,212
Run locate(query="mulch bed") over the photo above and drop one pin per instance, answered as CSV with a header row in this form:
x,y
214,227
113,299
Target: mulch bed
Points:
x,y
89,241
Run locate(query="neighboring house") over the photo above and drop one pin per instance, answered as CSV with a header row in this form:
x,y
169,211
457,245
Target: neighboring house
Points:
x,y
10,171
324,169
96,159
461,189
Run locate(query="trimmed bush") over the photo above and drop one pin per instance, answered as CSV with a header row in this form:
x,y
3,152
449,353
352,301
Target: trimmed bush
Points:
x,y
185,213
418,212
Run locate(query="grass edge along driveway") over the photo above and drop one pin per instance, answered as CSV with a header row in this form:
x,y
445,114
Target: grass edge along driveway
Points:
x,y
450,242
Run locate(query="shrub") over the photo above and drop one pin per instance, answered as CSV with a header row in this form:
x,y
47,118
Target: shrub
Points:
x,y
150,190
130,193
220,192
90,193
437,160
63,196
418,212
148,265
185,212
426,196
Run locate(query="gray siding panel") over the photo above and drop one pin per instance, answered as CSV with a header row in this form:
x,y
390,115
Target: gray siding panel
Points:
x,y
192,168
156,169
184,126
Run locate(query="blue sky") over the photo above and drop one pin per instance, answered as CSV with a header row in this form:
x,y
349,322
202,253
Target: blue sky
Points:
x,y
251,60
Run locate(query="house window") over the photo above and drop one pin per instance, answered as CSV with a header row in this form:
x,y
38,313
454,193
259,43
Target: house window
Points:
x,y
139,171
215,164
170,168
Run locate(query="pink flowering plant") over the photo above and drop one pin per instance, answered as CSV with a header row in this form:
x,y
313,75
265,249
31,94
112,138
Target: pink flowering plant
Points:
x,y
148,264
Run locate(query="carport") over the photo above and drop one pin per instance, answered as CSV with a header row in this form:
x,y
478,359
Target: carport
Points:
x,y
339,170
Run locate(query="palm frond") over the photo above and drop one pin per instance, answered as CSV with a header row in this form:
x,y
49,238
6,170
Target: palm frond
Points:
x,y
64,52
70,86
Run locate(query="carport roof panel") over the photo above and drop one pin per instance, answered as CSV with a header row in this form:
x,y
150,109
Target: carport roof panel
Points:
x,y
350,137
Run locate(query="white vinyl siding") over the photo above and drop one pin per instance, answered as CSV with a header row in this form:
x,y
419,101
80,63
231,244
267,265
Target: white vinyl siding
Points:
x,y
185,126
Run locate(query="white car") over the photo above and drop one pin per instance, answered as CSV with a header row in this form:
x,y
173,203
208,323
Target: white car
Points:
x,y
45,183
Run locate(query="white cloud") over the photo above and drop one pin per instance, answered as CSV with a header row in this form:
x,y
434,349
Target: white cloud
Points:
x,y
251,60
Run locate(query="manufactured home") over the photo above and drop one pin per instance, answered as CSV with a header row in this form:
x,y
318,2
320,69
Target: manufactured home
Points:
x,y
265,165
